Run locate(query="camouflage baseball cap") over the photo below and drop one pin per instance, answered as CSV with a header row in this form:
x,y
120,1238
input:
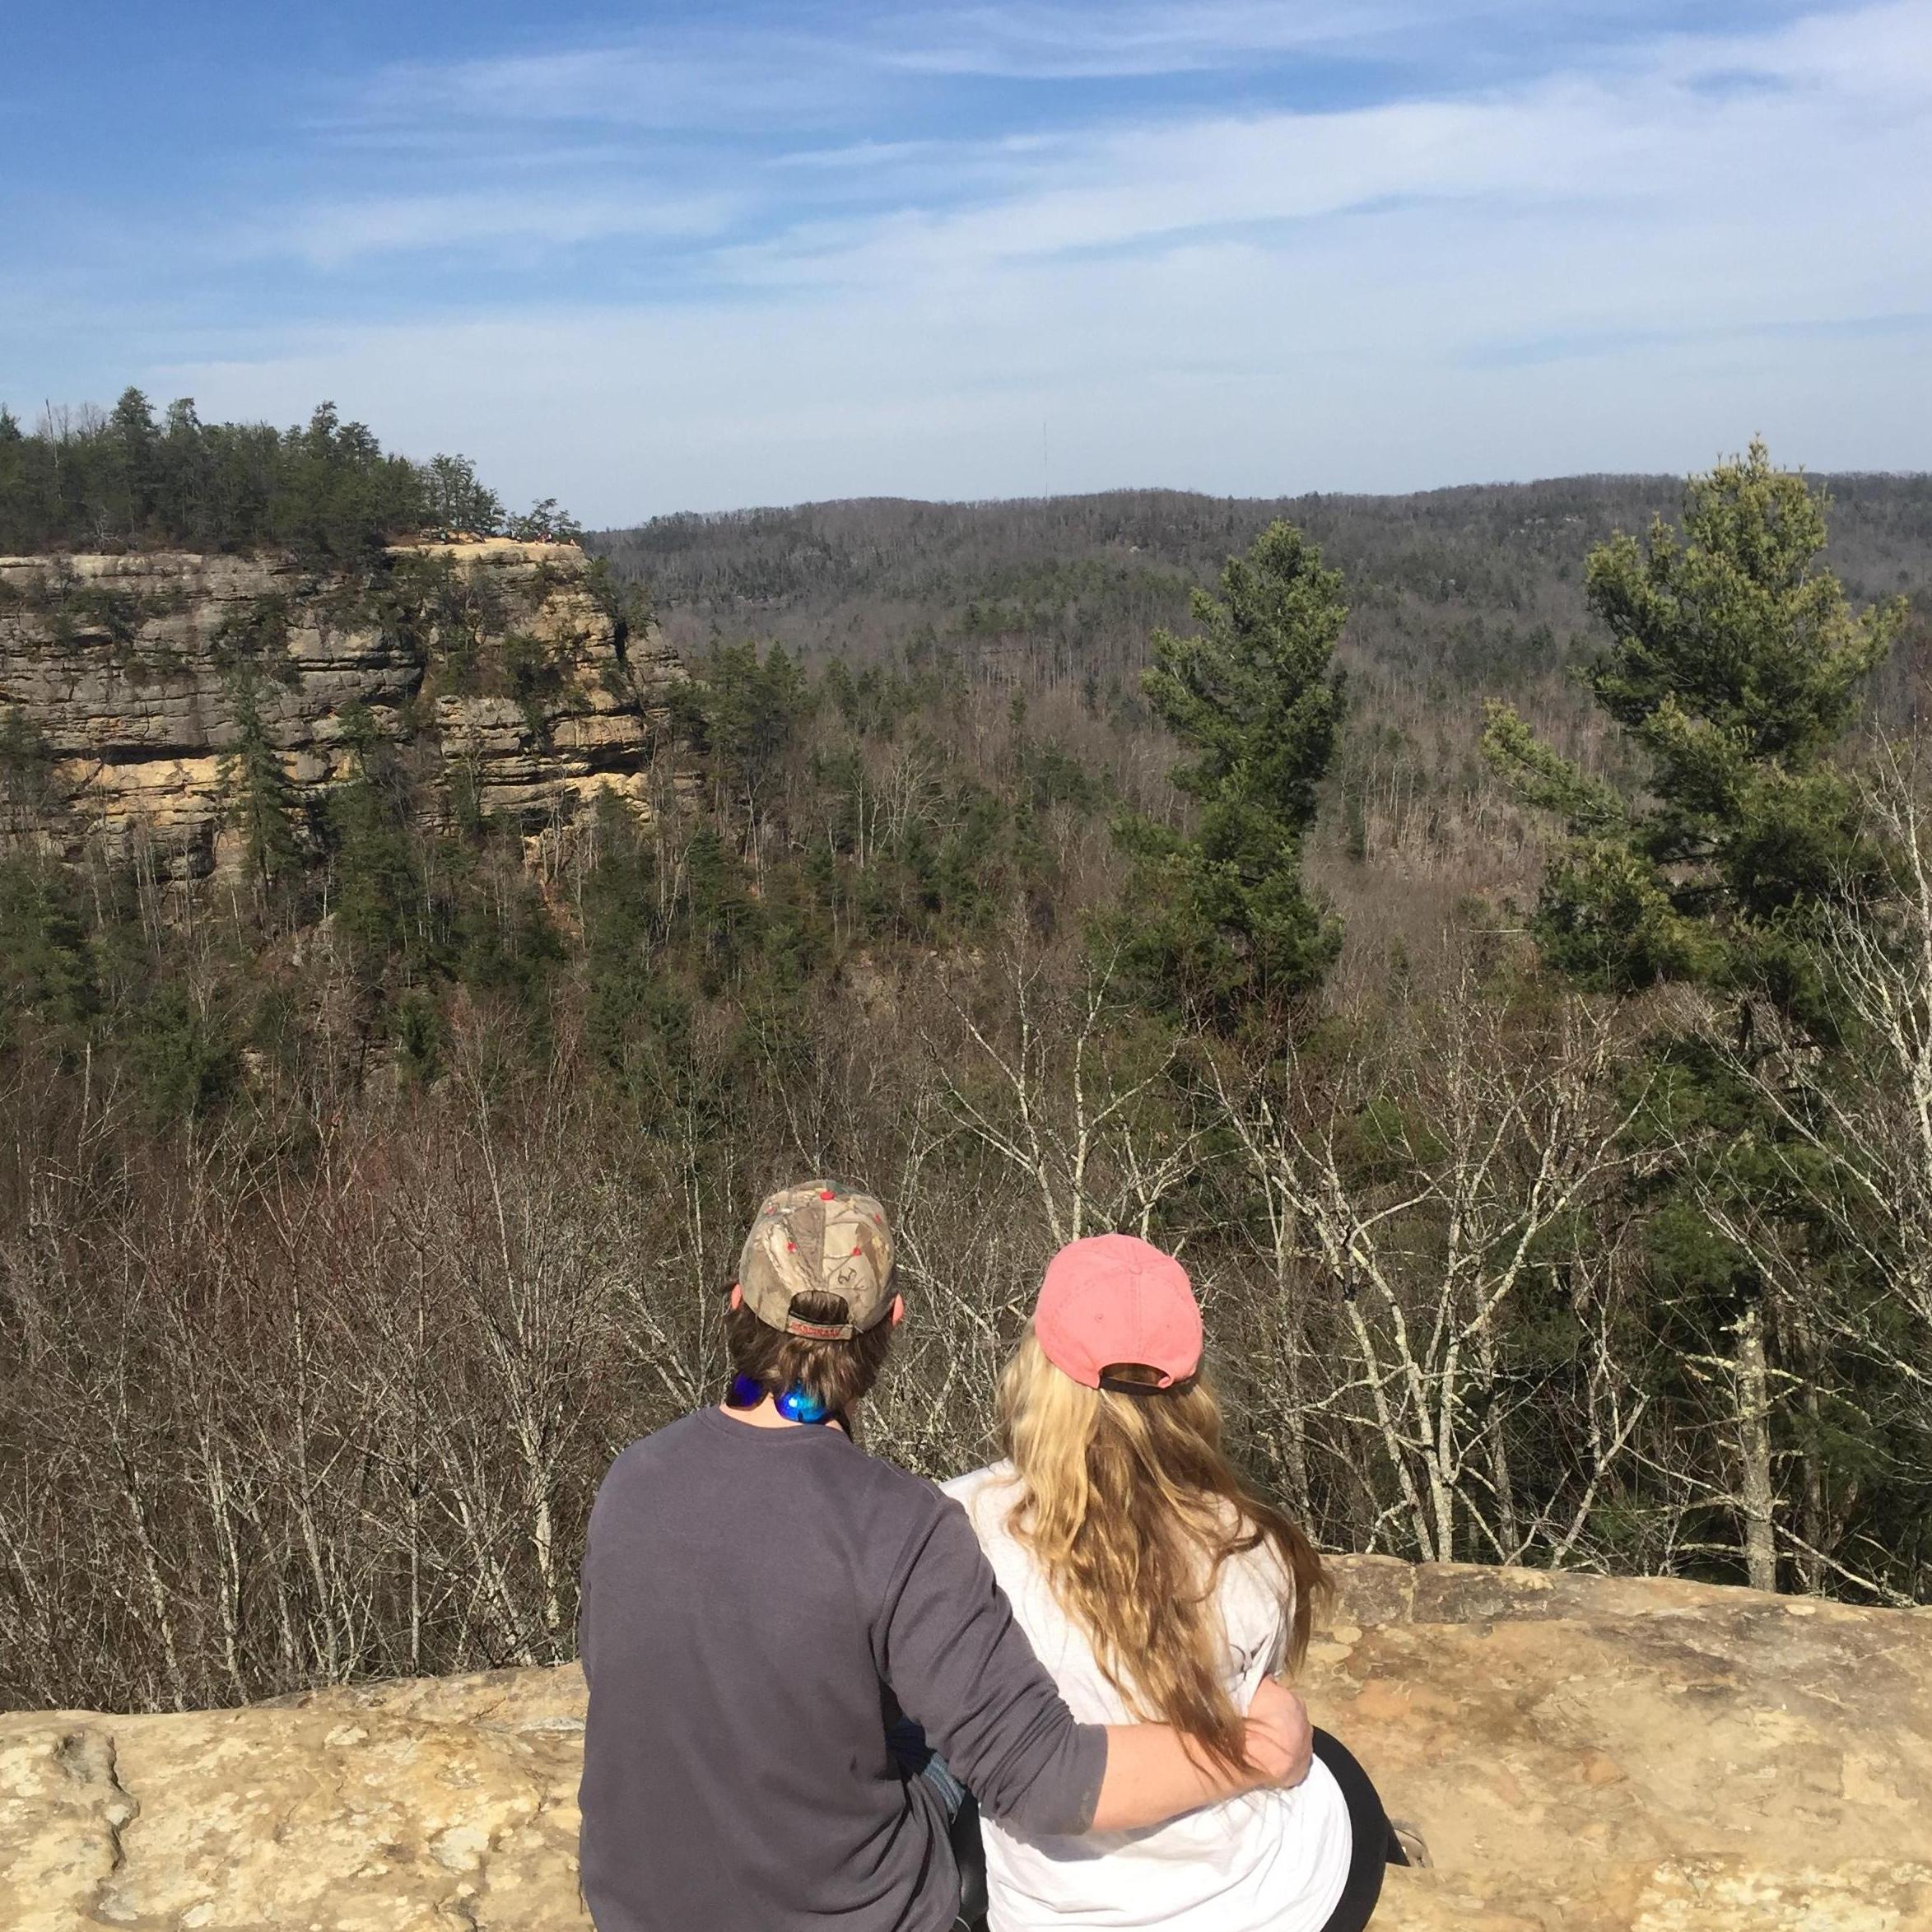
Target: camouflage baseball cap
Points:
x,y
818,1237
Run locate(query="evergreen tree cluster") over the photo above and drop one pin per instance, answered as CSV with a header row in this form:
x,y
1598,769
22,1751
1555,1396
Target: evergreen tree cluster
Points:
x,y
325,489
839,825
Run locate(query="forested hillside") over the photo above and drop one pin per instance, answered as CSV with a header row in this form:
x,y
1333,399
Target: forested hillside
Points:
x,y
1526,1064
1469,583
1454,596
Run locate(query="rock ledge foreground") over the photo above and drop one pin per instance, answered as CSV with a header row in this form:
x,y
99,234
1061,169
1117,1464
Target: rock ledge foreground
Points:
x,y
1582,1755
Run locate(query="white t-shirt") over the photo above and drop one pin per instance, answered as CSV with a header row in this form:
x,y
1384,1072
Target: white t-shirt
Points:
x,y
1273,1861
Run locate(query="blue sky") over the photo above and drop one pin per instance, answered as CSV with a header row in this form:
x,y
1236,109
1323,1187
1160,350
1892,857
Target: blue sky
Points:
x,y
685,256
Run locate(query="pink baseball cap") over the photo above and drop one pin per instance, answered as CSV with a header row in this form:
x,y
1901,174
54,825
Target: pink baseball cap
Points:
x,y
1113,1298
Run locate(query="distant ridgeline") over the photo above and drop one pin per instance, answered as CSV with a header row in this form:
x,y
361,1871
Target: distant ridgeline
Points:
x,y
121,481
206,630
1451,592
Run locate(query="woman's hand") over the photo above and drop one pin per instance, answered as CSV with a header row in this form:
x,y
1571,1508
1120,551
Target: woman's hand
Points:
x,y
1154,1774
1280,1740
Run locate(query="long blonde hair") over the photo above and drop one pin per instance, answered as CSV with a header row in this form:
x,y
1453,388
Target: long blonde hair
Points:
x,y
1130,1508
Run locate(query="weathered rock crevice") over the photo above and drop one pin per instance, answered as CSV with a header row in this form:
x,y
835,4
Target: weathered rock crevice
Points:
x,y
509,672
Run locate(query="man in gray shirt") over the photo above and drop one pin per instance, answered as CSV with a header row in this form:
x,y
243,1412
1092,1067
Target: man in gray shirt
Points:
x,y
762,1599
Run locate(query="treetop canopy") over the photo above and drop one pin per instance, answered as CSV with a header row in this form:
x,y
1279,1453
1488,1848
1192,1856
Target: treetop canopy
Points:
x,y
327,490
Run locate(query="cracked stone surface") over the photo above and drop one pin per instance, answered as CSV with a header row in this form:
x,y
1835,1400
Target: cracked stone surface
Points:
x,y
1582,1755
124,664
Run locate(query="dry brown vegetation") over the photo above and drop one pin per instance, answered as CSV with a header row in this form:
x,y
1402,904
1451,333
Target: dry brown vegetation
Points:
x,y
346,1230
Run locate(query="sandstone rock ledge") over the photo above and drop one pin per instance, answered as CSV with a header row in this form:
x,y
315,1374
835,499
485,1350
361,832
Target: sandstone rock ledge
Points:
x,y
1582,1756
501,663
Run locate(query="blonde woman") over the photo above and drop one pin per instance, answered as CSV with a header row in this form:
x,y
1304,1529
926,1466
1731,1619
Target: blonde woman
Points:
x,y
1153,1584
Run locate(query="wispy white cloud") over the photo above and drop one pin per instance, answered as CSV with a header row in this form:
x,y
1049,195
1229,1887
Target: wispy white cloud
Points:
x,y
333,235
721,82
1218,365
863,154
724,77
1142,37
1633,256
1874,52
1817,150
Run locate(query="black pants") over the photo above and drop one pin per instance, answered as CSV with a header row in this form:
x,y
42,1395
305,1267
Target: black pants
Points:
x,y
1374,1845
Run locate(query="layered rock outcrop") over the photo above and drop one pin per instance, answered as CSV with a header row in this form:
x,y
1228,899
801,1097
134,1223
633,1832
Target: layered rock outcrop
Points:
x,y
1580,1755
508,666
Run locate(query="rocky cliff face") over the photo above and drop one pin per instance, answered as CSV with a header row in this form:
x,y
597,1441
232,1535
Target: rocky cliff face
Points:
x,y
1580,1756
505,668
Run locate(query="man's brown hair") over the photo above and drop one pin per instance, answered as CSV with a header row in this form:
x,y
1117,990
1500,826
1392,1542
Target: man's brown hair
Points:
x,y
836,1373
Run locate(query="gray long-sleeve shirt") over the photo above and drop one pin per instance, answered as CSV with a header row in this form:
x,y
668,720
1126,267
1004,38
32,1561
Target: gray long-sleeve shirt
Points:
x,y
751,1597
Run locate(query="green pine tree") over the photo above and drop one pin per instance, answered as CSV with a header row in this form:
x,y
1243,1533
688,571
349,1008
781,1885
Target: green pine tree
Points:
x,y
1221,920
1734,669
46,966
135,466
262,798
